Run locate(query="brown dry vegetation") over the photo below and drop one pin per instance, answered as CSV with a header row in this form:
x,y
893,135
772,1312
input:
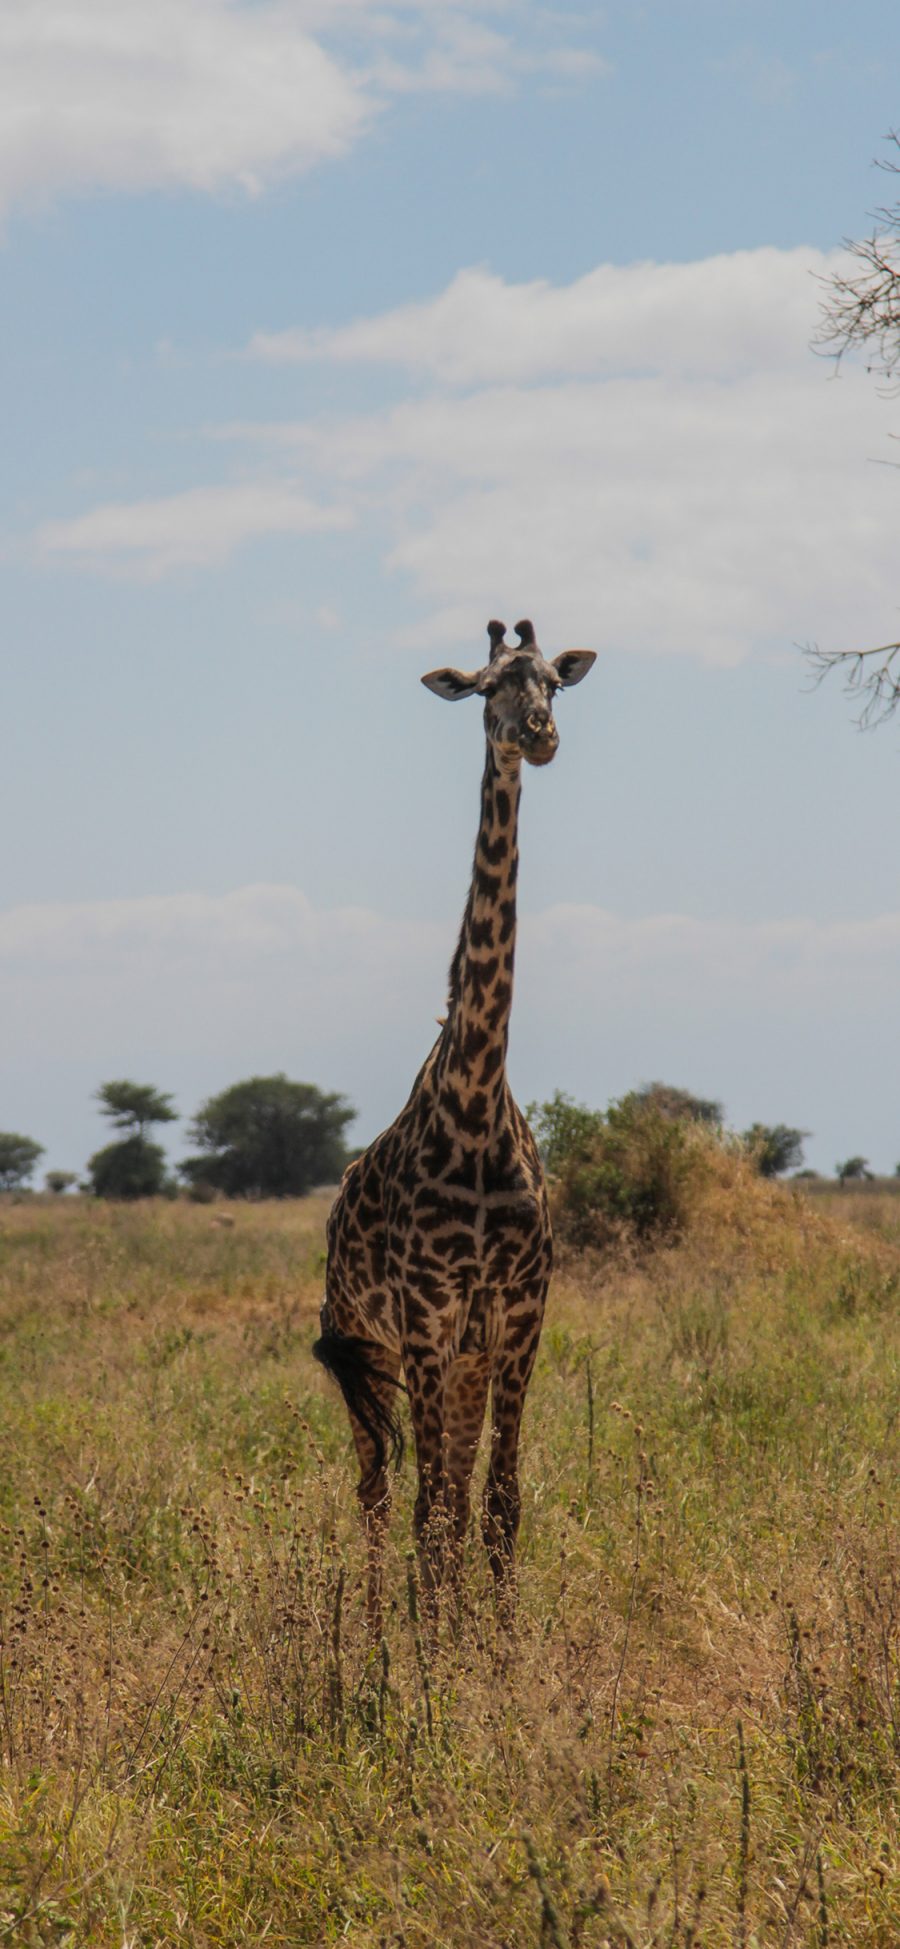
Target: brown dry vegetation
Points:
x,y
696,1739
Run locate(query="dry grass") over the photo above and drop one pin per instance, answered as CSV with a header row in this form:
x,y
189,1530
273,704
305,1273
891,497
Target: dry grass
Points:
x,y
697,1737
872,1207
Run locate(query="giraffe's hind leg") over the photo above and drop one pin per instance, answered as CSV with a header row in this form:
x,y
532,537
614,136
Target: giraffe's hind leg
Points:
x,y
447,1401
374,1494
502,1498
368,1377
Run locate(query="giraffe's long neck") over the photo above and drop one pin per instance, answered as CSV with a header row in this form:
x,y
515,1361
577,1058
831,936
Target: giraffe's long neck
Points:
x,y
473,1053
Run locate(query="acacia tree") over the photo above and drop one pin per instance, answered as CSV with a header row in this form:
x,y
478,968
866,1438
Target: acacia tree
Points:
x,y
861,312
132,1168
269,1138
680,1105
135,1107
775,1147
852,1169
18,1157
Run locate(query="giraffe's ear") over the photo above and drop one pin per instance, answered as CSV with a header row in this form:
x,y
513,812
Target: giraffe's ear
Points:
x,y
572,665
452,684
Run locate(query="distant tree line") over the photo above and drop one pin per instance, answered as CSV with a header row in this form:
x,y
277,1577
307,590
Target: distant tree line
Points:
x,y
267,1137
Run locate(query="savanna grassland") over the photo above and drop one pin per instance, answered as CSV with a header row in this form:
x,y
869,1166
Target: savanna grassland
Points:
x,y
696,1736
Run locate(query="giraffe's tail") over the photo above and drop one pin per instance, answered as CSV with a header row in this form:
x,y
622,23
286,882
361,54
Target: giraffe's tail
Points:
x,y
363,1385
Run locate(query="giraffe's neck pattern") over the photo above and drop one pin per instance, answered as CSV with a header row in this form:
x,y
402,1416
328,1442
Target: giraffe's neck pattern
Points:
x,y
473,1053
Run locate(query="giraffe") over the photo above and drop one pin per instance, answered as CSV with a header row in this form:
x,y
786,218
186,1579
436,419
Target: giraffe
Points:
x,y
439,1241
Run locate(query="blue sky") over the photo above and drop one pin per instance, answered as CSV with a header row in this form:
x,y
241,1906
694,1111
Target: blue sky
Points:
x,y
330,330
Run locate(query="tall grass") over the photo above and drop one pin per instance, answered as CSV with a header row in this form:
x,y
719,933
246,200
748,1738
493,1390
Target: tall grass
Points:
x,y
696,1736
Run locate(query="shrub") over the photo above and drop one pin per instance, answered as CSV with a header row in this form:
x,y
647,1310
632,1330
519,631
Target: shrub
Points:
x,y
620,1175
59,1181
134,1168
200,1192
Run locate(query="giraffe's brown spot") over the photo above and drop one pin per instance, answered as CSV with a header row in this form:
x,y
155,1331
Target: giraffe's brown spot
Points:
x,y
437,1154
434,1207
498,1163
491,1062
474,1113
487,884
466,1173
502,997
474,1041
493,850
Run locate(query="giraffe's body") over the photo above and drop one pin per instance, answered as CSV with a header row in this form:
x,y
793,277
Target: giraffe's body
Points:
x,y
439,1242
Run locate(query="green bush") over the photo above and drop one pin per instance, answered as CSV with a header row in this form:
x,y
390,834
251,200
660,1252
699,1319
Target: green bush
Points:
x,y
200,1192
621,1175
135,1168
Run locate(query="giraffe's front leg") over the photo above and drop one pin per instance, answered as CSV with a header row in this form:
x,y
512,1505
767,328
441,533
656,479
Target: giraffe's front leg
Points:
x,y
465,1397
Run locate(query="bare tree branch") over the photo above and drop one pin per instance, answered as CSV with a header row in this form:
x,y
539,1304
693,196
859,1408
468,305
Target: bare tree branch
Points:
x,y
864,309
876,685
861,308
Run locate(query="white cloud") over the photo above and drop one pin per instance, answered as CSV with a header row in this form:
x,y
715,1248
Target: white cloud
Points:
x,y
791,968
652,454
193,991
224,94
255,930
714,318
651,458
201,526
115,94
706,519
253,926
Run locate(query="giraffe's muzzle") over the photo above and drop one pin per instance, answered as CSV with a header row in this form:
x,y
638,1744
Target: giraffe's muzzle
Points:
x,y
541,745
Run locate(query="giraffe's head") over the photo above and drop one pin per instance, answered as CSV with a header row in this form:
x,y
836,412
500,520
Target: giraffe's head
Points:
x,y
518,686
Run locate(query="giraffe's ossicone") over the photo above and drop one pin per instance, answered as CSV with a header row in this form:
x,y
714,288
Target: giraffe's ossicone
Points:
x,y
439,1241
